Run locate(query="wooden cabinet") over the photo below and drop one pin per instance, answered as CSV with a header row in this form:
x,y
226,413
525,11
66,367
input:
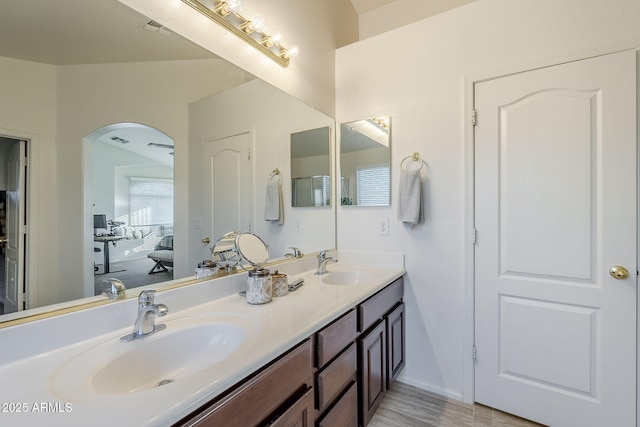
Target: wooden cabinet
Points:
x,y
381,346
265,397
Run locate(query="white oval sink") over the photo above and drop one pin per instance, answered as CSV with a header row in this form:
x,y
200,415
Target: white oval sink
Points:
x,y
347,277
187,346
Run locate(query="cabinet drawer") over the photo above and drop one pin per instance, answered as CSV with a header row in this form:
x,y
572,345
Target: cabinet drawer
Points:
x,y
345,412
300,414
333,379
335,337
373,309
255,400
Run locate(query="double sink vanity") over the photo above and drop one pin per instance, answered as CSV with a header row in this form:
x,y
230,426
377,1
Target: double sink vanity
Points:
x,y
324,354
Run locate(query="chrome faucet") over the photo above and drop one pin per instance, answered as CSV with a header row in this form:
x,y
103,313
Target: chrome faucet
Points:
x,y
116,289
295,253
323,260
147,312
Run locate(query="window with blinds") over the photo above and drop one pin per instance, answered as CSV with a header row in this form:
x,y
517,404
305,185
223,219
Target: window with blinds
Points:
x,y
150,201
372,186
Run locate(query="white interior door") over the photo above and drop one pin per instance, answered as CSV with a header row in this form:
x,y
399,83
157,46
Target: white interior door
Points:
x,y
15,227
555,209
227,184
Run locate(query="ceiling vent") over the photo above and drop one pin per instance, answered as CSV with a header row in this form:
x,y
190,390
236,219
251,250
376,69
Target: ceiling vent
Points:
x,y
156,27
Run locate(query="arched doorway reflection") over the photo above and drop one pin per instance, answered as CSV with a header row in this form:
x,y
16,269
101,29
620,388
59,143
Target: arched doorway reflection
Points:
x,y
130,193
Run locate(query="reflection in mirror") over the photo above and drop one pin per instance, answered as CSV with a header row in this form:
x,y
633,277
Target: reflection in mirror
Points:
x,y
365,159
240,247
125,69
132,187
251,123
310,168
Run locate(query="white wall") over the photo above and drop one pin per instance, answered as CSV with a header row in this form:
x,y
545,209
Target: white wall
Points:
x,y
420,82
27,110
316,27
272,116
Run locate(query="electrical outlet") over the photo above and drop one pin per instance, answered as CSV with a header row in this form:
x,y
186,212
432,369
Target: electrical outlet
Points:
x,y
297,225
383,227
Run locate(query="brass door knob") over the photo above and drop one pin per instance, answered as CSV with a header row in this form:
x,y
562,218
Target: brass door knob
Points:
x,y
619,272
206,240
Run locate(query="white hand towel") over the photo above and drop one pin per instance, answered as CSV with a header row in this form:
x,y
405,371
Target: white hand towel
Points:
x,y
273,207
410,197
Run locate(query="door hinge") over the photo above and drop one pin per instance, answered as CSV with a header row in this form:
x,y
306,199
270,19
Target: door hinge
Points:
x,y
474,117
474,236
249,153
474,354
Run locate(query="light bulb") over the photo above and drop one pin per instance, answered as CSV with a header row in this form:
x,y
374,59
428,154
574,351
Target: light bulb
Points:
x,y
235,5
293,50
258,23
276,37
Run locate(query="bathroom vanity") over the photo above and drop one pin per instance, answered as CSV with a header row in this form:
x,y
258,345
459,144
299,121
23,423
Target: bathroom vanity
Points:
x,y
303,358
362,351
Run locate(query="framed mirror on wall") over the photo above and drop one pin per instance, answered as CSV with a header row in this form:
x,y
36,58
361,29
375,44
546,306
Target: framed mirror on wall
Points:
x,y
311,168
365,162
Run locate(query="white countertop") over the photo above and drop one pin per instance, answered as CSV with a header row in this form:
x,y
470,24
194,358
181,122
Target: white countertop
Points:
x,y
38,351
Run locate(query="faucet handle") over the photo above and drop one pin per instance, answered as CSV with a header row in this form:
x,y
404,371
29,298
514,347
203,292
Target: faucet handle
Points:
x,y
322,255
146,297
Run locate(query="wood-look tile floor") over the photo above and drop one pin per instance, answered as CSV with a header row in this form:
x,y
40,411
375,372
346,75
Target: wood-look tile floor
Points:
x,y
406,406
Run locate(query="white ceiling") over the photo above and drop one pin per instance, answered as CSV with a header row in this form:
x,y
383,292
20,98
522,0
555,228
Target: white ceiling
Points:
x,y
70,32
64,32
364,6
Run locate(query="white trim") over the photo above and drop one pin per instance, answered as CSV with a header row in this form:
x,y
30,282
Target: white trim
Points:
x,y
469,81
430,388
638,236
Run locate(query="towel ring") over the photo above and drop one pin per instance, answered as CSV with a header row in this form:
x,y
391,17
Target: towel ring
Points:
x,y
273,173
415,157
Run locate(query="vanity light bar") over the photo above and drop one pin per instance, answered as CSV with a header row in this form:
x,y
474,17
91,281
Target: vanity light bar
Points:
x,y
225,13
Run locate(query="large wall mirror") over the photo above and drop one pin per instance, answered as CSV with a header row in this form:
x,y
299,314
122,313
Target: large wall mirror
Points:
x,y
117,110
365,159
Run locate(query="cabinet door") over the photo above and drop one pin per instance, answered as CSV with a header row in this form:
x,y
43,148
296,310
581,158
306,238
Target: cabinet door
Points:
x,y
395,343
300,414
373,371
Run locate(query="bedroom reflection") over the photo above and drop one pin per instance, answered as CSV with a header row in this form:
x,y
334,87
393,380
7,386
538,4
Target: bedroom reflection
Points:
x,y
132,202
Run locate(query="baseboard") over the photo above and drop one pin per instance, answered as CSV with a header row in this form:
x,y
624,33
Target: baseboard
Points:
x,y
427,387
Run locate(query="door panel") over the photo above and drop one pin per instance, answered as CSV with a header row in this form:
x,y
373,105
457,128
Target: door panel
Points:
x,y
227,186
555,162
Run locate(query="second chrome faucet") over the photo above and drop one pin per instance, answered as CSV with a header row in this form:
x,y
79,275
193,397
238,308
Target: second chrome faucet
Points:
x,y
145,324
323,260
